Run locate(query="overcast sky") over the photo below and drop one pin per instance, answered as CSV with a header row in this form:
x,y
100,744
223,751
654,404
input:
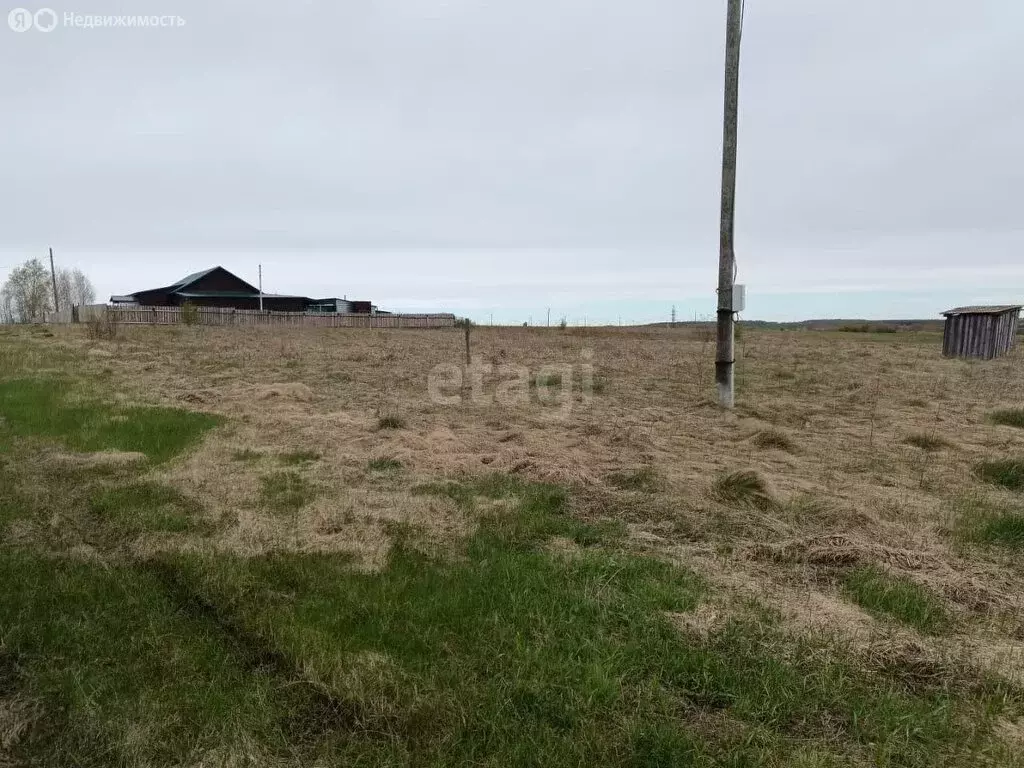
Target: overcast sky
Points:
x,y
502,157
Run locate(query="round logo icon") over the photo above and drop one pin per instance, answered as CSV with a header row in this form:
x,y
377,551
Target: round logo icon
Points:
x,y
20,20
45,19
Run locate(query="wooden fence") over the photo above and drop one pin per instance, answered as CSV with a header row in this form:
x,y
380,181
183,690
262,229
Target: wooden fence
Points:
x,y
80,313
247,317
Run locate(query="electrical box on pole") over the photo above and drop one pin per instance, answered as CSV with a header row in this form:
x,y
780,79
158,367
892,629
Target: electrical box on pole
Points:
x,y
739,298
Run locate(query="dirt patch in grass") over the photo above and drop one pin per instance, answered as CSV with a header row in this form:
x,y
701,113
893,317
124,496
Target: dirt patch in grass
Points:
x,y
644,479
16,719
702,622
563,546
774,439
294,391
1012,733
246,454
391,421
100,459
842,550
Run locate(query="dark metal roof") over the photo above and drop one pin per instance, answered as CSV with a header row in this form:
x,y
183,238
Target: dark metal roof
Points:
x,y
189,279
206,294
177,288
234,295
984,310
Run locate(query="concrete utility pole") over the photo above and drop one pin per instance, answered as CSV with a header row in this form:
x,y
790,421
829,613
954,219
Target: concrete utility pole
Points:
x,y
53,274
261,287
725,354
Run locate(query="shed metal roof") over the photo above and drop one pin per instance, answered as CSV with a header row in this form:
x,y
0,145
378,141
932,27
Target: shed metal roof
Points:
x,y
997,309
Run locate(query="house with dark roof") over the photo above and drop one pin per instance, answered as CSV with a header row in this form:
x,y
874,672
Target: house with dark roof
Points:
x,y
216,287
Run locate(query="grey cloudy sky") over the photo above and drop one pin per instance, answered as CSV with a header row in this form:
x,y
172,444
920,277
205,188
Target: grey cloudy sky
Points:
x,y
506,156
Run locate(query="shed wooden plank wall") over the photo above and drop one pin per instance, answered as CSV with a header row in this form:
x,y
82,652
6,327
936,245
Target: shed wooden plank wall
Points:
x,y
983,336
212,316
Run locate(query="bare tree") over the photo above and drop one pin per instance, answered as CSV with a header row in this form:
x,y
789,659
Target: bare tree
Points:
x,y
25,297
6,305
74,288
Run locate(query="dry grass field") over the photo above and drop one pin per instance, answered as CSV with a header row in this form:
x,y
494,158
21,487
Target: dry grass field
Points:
x,y
297,547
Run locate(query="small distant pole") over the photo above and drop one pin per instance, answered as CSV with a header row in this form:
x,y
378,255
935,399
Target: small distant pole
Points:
x,y
53,274
673,315
261,287
549,317
492,319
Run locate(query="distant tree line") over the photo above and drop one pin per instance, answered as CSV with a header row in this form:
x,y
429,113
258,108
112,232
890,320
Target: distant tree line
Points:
x,y
27,294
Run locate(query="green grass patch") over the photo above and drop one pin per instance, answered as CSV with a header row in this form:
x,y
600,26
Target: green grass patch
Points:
x,y
295,458
511,655
541,509
505,652
506,655
384,464
139,507
926,441
286,491
495,485
743,487
897,597
1009,417
1008,473
981,522
1006,530
52,409
122,674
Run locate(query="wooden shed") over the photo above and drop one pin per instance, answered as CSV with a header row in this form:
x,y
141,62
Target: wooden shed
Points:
x,y
980,332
